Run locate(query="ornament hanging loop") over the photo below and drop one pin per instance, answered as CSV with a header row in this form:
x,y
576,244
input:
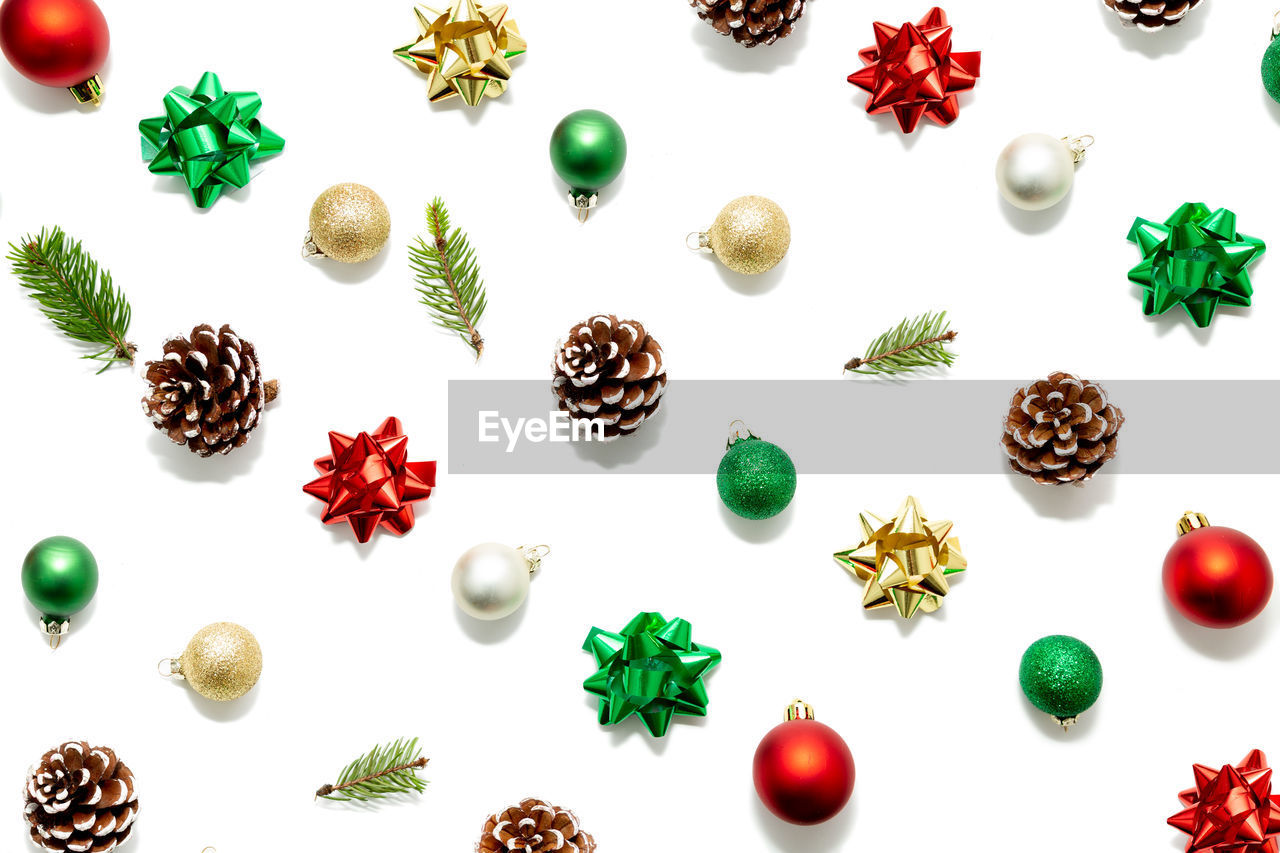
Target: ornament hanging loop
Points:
x,y
738,431
698,241
1078,146
1275,25
170,668
584,203
534,555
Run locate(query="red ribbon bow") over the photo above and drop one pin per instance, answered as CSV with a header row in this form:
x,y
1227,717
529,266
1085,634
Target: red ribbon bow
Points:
x,y
1231,810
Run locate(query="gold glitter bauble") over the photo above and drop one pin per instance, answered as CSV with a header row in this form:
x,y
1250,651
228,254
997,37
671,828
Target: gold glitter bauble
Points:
x,y
751,235
349,223
222,662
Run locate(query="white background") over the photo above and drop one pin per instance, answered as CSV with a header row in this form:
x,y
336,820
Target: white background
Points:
x,y
363,644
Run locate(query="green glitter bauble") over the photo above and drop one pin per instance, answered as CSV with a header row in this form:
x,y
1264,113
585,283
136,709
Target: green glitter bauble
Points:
x,y
1271,69
756,479
1060,675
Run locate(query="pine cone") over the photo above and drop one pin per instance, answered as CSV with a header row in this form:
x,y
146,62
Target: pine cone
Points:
x,y
534,827
751,22
207,392
1151,15
1061,430
80,799
611,370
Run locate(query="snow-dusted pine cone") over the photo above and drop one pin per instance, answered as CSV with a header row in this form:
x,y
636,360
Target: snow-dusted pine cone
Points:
x,y
534,827
207,392
611,370
1151,15
1061,429
80,799
751,22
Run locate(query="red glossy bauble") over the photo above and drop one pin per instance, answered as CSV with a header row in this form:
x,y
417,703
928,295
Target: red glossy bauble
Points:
x,y
803,770
54,42
1217,577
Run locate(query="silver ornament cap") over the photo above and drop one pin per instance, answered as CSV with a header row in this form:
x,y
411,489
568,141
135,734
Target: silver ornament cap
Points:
x,y
491,580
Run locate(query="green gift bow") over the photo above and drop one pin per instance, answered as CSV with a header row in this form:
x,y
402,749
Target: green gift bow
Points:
x,y
209,137
1196,259
652,668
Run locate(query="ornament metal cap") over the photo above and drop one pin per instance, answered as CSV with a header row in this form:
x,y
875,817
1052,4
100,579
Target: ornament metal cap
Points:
x,y
1067,722
584,202
800,710
90,91
1192,521
533,555
1078,145
55,628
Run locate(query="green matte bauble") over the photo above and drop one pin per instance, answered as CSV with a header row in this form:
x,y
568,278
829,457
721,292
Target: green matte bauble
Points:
x,y
1271,69
59,576
1061,676
756,479
588,150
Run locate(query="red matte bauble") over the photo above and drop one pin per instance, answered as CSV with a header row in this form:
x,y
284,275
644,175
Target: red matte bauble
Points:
x,y
1217,577
54,42
803,771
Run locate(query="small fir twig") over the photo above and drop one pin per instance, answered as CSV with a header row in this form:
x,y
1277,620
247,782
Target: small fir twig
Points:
x,y
911,344
77,297
386,770
448,276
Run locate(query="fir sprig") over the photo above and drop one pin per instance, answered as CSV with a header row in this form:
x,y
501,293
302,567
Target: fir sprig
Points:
x,y
384,771
911,344
77,297
449,277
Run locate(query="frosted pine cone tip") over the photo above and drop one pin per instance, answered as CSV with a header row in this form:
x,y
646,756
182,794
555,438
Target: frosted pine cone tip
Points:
x,y
1151,16
1062,429
80,799
534,826
611,371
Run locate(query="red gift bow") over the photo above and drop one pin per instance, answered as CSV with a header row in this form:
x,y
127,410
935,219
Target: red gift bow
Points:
x,y
1231,810
368,481
912,71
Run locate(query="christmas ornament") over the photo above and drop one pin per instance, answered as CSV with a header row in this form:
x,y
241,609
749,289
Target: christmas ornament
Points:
x,y
1061,676
60,43
588,150
803,770
756,478
608,373
465,50
491,581
1151,16
207,391
448,277
651,668
209,137
751,235
59,577
1035,171
534,826
751,22
1231,810
1215,576
80,799
1061,430
77,297
222,662
904,562
912,71
349,223
368,481
912,344
1196,259
1271,62
382,772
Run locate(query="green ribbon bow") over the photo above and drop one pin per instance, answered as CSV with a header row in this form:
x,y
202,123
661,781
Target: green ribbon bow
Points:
x,y
652,668
1196,259
208,136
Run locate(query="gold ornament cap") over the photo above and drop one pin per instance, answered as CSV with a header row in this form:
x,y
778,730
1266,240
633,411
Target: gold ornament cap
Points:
x,y
222,662
750,236
1192,521
800,710
349,223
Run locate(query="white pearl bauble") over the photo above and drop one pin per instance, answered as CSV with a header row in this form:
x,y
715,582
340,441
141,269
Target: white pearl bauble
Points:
x,y
491,581
1035,171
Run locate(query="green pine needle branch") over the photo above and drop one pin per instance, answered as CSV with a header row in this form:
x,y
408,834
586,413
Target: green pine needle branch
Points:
x,y
385,771
77,297
448,276
911,344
